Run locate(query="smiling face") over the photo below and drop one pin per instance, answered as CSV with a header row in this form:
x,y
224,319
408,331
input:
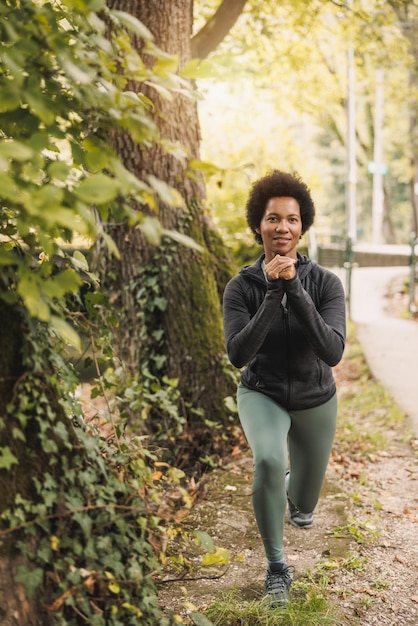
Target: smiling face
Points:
x,y
281,227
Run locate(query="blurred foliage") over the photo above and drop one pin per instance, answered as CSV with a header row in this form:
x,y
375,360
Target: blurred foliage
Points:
x,y
281,103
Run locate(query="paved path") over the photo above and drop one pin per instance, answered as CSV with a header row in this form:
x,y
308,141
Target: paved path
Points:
x,y
390,345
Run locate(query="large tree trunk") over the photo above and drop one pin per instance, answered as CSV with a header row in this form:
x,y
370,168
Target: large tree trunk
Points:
x,y
189,281
17,479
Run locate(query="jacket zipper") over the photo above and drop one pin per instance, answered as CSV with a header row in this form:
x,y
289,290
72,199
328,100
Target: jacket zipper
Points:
x,y
287,335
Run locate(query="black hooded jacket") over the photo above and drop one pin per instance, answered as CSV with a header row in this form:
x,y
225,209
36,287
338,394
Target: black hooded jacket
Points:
x,y
288,333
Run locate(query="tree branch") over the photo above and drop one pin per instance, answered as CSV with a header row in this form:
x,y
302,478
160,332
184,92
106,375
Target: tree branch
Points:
x,y
216,29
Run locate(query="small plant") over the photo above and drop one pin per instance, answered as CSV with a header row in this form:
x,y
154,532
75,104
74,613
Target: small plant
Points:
x,y
358,530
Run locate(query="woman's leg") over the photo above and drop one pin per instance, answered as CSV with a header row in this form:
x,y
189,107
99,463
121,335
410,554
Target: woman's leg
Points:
x,y
266,426
311,436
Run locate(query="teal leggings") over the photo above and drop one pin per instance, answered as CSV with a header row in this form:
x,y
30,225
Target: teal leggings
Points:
x,y
279,438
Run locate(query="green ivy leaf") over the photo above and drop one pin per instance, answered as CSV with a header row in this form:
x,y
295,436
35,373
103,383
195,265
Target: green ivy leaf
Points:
x,y
7,458
31,578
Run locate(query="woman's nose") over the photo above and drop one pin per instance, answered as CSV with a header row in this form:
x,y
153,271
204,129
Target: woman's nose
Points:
x,y
281,225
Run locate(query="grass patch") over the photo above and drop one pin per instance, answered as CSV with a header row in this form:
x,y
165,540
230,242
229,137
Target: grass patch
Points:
x,y
308,607
364,404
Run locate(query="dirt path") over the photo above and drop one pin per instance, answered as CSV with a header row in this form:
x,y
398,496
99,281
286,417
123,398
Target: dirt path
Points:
x,y
364,538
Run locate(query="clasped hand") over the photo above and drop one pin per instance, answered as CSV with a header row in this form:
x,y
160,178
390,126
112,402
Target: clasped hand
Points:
x,y
281,267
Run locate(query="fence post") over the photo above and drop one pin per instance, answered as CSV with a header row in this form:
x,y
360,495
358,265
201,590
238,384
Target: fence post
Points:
x,y
412,267
348,265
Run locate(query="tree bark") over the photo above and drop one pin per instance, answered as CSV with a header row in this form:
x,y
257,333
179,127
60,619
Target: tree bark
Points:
x,y
16,608
215,30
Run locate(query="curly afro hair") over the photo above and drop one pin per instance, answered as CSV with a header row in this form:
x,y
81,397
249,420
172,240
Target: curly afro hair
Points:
x,y
277,184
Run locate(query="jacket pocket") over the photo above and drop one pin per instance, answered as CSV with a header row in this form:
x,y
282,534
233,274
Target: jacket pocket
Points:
x,y
320,369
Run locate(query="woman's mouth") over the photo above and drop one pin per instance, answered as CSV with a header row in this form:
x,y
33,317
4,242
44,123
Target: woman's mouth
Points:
x,y
281,240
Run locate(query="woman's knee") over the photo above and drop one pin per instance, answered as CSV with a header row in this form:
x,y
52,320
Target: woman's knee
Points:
x,y
270,468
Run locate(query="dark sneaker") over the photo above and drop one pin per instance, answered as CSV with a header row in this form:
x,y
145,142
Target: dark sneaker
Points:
x,y
298,519
295,517
277,585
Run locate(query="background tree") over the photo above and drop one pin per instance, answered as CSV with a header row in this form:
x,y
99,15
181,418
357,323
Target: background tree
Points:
x,y
168,298
293,113
407,14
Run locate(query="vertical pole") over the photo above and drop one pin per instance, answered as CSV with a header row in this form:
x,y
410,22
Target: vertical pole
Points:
x,y
351,147
377,204
412,265
351,175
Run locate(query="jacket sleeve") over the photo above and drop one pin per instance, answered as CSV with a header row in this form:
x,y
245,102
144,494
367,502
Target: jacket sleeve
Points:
x,y
245,334
324,327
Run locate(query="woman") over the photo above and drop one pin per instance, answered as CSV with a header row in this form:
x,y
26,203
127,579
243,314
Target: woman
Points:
x,y
284,320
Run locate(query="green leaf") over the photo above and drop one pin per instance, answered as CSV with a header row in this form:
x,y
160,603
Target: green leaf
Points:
x,y
7,257
220,557
167,194
15,150
152,229
8,189
67,281
183,239
197,68
205,540
204,166
7,458
80,261
65,331
98,189
45,201
231,404
133,24
9,100
59,170
111,245
96,157
30,578
200,620
85,521
30,292
167,64
40,106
